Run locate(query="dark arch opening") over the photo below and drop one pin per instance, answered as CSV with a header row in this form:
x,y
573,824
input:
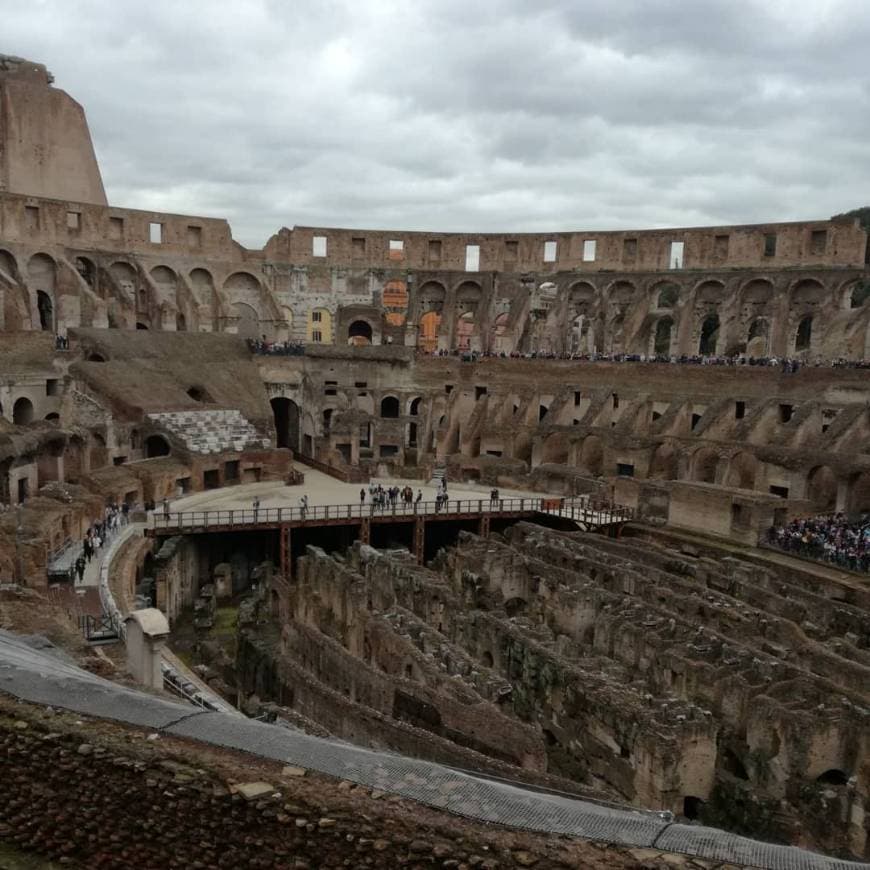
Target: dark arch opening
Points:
x,y
180,322
156,445
359,333
286,413
833,777
734,766
140,325
96,357
22,412
486,658
662,342
389,406
709,335
414,407
198,394
804,334
514,606
692,806
46,311
53,417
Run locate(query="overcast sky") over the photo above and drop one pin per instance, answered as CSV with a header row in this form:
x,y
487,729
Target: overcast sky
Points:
x,y
466,115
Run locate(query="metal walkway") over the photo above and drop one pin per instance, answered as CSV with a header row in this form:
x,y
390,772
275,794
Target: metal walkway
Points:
x,y
31,670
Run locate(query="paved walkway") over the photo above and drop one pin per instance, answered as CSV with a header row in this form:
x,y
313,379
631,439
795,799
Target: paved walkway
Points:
x,y
322,489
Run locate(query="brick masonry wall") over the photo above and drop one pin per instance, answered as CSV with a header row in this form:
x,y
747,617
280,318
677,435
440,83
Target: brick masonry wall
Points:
x,y
99,795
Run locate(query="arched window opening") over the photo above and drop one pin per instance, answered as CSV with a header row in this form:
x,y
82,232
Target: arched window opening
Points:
x,y
53,417
804,334
487,659
180,322
96,357
668,297
359,333
709,335
140,325
156,445
414,407
46,311
859,295
22,412
389,406
430,323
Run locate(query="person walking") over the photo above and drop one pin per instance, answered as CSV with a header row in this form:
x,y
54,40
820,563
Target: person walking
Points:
x,y
362,495
256,507
80,569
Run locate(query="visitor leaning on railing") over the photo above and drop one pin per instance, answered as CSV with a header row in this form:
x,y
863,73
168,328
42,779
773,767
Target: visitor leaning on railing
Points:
x,y
835,538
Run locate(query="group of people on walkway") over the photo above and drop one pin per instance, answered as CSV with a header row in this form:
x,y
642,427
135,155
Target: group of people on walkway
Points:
x,y
787,365
276,348
99,534
381,498
836,539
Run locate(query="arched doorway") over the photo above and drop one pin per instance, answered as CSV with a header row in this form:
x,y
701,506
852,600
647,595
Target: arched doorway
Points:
x,y
156,445
822,488
709,336
359,333
247,320
662,341
46,311
22,412
286,413
430,323
804,334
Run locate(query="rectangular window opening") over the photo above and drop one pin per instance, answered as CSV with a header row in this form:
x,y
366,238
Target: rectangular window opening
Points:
x,y
155,233
358,247
576,398
316,336
615,400
52,387
472,258
318,246
785,413
73,220
479,392
629,249
31,217
448,388
116,228
194,237
739,410
315,317
625,469
696,418
781,491
675,261
397,249
770,244
589,246
818,242
550,252
434,250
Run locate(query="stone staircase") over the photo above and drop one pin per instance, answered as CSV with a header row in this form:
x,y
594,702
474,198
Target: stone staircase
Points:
x,y
211,431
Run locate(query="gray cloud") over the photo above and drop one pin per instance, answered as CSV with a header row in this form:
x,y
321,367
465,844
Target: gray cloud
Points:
x,y
448,115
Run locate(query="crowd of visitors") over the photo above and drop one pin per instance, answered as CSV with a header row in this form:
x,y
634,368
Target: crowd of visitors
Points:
x,y
381,498
61,342
276,348
787,364
837,539
98,535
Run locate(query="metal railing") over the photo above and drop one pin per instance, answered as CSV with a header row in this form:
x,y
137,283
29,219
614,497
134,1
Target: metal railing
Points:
x,y
579,510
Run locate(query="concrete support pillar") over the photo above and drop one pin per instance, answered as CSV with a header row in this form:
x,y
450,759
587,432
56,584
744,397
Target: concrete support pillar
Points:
x,y
147,631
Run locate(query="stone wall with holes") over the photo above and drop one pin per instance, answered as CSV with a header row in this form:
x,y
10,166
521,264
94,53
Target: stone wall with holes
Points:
x,y
92,794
